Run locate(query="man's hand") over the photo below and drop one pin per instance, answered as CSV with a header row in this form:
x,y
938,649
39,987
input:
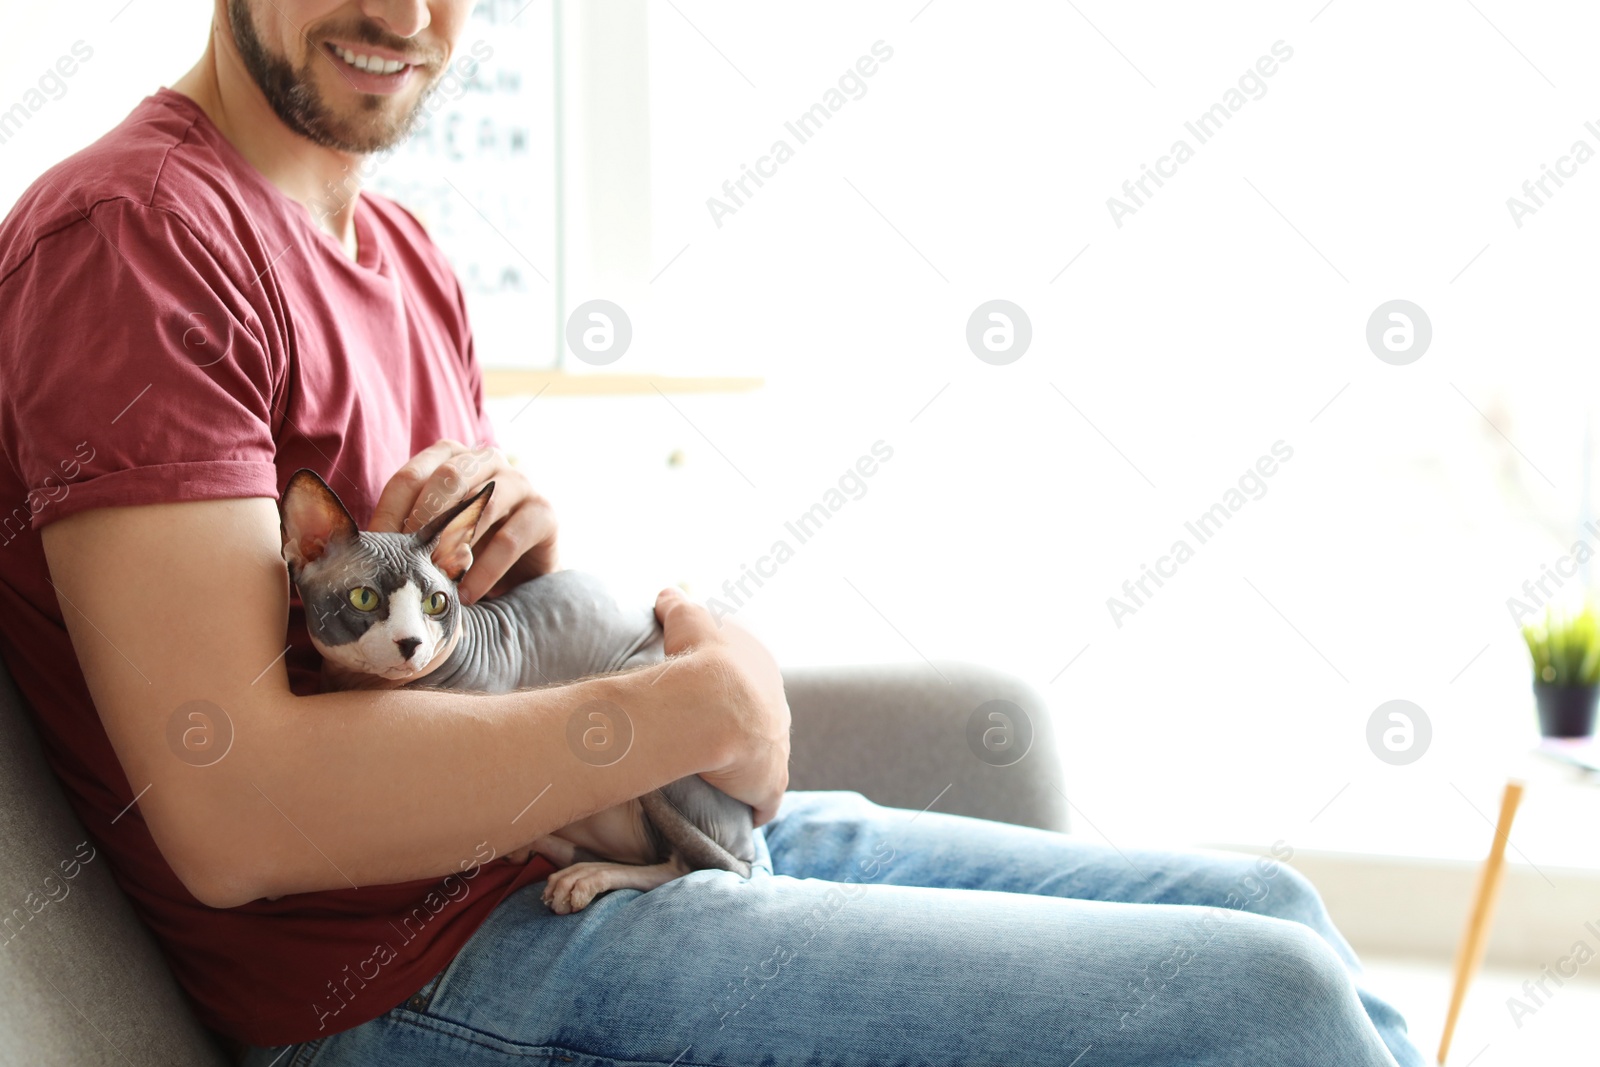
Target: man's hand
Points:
x,y
752,694
517,535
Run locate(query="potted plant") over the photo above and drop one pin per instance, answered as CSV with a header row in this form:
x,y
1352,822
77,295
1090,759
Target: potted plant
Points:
x,y
1566,670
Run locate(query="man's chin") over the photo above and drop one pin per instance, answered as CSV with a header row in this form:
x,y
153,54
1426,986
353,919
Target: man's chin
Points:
x,y
368,122
401,674
365,132
352,674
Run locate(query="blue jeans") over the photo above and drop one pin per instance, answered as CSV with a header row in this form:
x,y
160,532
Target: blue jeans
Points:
x,y
871,936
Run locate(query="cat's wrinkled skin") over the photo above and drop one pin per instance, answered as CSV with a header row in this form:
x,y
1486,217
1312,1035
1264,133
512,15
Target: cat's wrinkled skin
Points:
x,y
382,609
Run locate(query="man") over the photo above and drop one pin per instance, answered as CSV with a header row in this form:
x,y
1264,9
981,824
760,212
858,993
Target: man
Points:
x,y
201,303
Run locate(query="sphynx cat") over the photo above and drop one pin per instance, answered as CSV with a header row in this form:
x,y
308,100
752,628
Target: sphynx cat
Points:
x,y
383,610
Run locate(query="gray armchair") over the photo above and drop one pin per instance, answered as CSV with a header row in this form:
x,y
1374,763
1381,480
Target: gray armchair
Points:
x,y
83,983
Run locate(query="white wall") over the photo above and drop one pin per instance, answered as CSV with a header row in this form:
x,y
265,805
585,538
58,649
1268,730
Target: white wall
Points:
x,y
135,49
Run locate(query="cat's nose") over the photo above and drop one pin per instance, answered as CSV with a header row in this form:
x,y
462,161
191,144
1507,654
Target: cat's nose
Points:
x,y
408,646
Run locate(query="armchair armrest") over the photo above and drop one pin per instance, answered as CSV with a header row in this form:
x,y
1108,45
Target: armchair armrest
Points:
x,y
898,734
81,978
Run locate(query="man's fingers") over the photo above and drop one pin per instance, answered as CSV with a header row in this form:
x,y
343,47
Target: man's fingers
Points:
x,y
400,494
763,810
542,558
531,527
516,537
684,623
765,813
452,481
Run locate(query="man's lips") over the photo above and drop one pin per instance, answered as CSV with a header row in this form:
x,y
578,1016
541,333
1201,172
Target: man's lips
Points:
x,y
372,70
372,60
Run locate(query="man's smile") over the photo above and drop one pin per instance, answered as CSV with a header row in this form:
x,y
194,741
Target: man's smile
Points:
x,y
372,70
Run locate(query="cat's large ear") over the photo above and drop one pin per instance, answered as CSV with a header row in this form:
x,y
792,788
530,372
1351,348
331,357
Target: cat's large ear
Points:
x,y
449,536
313,518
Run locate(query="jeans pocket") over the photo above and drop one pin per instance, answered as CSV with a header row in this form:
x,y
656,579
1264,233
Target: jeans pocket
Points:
x,y
419,1001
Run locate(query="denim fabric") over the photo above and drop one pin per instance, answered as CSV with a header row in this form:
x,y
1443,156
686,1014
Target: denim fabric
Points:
x,y
871,936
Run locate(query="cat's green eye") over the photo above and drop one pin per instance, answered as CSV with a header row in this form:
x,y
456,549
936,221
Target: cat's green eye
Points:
x,y
364,598
436,604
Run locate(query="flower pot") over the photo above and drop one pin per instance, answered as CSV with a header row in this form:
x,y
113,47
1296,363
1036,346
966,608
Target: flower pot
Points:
x,y
1565,710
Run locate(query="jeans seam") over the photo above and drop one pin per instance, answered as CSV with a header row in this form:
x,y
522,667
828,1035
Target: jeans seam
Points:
x,y
306,1054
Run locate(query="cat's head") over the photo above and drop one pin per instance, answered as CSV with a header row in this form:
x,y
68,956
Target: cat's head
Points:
x,y
382,604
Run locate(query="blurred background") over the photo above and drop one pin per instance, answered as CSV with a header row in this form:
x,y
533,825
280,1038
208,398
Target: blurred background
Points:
x,y
782,331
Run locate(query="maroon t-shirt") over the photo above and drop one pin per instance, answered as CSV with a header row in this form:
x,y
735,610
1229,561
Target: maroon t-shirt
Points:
x,y
173,327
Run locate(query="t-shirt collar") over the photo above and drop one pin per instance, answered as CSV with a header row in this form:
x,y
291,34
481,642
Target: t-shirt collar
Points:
x,y
369,254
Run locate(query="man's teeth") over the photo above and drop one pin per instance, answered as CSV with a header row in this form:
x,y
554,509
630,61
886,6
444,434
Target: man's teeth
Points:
x,y
370,64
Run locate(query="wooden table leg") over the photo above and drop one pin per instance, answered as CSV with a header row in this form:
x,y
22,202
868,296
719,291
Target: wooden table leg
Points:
x,y
1469,957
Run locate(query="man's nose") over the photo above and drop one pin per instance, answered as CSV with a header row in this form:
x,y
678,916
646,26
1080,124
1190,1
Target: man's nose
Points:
x,y
408,646
404,17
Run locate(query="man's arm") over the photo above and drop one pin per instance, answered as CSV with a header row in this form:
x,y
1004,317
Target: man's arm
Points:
x,y
172,603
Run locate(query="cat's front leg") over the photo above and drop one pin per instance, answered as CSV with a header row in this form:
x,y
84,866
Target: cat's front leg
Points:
x,y
572,888
539,847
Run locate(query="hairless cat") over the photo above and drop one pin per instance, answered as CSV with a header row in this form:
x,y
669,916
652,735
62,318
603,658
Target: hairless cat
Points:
x,y
383,610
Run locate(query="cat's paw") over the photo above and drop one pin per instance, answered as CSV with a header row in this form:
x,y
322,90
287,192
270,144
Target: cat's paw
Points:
x,y
572,888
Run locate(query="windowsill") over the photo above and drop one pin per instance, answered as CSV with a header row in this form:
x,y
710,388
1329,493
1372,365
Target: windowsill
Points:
x,y
505,382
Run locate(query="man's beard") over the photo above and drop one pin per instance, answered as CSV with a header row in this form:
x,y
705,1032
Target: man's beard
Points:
x,y
294,97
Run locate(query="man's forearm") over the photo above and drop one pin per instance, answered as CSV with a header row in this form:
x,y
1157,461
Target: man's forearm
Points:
x,y
372,787
363,788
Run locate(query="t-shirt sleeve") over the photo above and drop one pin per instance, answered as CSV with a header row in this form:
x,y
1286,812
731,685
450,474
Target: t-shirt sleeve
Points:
x,y
134,368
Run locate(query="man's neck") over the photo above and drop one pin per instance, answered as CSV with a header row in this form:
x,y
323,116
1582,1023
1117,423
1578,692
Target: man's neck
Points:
x,y
325,180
